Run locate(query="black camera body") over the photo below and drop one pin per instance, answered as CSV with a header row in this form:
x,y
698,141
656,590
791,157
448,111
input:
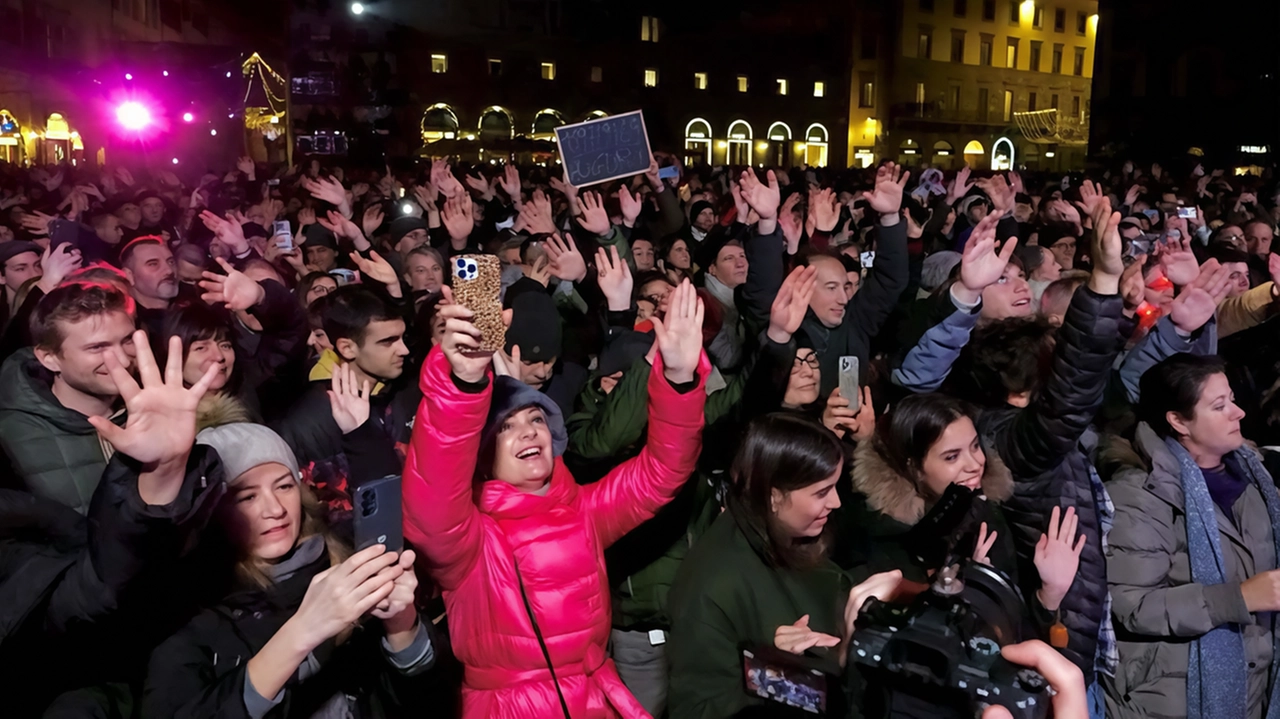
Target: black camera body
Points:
x,y
943,650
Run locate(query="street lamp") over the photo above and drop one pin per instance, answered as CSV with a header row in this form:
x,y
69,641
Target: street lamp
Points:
x,y
357,8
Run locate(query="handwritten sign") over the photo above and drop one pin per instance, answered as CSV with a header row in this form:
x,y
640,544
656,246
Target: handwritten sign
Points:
x,y
605,149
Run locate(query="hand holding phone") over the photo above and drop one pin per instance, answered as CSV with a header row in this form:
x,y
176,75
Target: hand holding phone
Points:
x,y
849,385
377,514
476,286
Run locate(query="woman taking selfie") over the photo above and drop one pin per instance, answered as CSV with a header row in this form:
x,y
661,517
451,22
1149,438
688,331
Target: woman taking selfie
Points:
x,y
516,545
761,576
1191,560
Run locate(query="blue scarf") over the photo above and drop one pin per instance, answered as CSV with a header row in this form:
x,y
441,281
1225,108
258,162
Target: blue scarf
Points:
x,y
1217,679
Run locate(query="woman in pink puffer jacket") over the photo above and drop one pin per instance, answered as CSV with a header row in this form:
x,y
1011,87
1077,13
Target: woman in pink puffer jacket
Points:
x,y
492,507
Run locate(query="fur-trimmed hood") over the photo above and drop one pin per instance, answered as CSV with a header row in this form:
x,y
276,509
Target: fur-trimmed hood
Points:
x,y
216,409
895,496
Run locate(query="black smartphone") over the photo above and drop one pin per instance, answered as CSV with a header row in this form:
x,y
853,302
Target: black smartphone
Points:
x,y
63,232
378,517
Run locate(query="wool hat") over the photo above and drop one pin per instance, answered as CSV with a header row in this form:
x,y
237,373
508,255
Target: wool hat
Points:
x,y
318,236
705,254
243,445
405,224
697,208
623,351
937,268
511,395
253,229
535,327
13,248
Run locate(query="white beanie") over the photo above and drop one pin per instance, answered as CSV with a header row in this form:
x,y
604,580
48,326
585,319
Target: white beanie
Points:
x,y
244,445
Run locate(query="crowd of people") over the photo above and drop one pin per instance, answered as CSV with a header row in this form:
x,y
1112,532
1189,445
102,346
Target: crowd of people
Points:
x,y
731,407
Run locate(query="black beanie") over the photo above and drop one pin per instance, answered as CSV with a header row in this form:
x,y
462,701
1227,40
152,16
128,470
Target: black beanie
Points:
x,y
535,327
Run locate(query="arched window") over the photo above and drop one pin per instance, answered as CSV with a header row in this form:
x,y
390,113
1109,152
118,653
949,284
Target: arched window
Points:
x,y
815,145
1002,156
496,123
439,122
942,148
740,136
545,124
778,146
974,148
596,114
697,142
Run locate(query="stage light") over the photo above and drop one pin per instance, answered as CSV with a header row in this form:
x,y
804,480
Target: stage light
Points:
x,y
187,117
166,73
128,76
228,73
357,8
406,208
213,132
133,116
175,160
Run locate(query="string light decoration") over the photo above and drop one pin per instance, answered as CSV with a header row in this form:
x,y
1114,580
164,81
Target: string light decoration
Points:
x,y
264,108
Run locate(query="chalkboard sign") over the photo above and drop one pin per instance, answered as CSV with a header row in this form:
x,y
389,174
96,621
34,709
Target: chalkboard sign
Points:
x,y
605,149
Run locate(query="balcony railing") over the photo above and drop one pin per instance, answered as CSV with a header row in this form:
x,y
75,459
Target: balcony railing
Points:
x,y
1053,127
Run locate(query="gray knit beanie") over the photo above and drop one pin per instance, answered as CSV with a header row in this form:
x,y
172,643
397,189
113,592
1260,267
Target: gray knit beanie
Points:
x,y
243,446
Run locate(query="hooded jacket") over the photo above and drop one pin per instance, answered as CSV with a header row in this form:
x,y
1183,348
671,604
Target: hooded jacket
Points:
x,y
54,451
888,507
1157,607
475,538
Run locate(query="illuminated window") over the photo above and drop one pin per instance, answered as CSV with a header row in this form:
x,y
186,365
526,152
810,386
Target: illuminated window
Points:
x,y
1011,54
742,83
782,86
815,145
984,54
650,78
819,89
1059,20
548,71
699,80
1008,105
697,141
919,99
597,74
495,67
648,29
439,64
740,143
1078,69
867,94
1037,18
924,49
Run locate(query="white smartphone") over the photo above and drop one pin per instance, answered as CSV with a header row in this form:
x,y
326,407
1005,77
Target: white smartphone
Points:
x,y
849,387
283,235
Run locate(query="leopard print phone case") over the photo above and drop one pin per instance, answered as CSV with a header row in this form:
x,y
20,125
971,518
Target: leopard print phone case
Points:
x,y
477,284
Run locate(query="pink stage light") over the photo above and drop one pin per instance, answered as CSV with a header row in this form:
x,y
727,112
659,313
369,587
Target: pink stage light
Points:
x,y
187,117
133,116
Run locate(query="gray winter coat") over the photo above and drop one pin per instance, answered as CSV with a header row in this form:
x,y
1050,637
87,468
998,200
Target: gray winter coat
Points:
x,y
1157,608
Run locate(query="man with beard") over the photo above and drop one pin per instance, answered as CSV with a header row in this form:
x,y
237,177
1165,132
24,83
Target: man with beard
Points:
x,y
151,270
49,391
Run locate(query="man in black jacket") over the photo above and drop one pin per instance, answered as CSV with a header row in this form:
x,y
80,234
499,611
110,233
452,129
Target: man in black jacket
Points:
x,y
84,599
1038,426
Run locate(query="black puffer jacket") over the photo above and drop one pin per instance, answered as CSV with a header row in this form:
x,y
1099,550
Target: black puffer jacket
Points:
x,y
1042,448
84,599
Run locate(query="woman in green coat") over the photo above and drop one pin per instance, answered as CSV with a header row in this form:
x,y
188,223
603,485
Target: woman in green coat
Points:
x,y
761,577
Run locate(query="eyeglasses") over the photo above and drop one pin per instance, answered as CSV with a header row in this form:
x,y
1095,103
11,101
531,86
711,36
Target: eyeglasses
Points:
x,y
810,359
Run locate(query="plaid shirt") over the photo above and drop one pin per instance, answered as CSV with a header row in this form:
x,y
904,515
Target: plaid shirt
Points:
x,y
1107,656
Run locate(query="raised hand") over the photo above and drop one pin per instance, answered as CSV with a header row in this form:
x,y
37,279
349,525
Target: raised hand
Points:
x,y
566,188
763,197
234,289
348,398
1198,301
980,265
824,207
228,232
340,595
57,264
887,196
1133,287
162,411
1057,557
509,181
1015,181
508,365
614,278
480,186
458,218
790,224
997,188
328,190
461,341
536,215
791,303
37,223
124,176
592,215
986,540
651,175
370,221
679,335
1178,261
1106,251
1133,194
960,186
566,262
306,216
631,206
798,638
377,269
1090,194
246,166
444,181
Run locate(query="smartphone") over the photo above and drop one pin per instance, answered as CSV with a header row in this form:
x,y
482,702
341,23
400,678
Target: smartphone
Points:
x,y
63,232
867,259
343,276
477,285
668,172
273,182
849,387
283,235
787,679
1187,212
377,514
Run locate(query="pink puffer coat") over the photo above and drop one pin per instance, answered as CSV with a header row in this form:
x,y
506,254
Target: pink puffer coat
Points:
x,y
469,537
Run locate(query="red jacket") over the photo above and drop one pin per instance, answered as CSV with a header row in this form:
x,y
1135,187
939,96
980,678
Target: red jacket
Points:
x,y
469,535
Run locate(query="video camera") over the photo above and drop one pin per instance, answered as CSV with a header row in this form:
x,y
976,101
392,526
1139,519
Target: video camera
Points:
x,y
942,652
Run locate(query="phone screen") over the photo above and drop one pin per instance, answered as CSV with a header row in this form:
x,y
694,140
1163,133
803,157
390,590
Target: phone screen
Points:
x,y
849,387
770,676
1186,212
